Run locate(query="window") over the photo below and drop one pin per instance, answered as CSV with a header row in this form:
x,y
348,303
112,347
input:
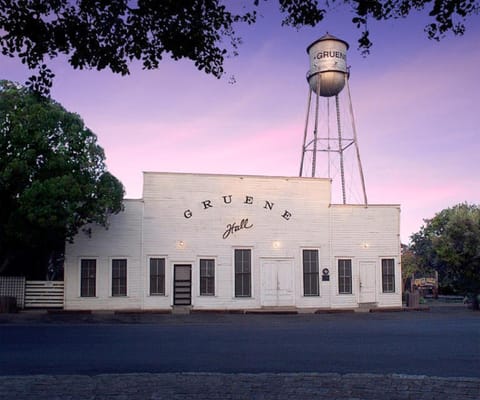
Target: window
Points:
x,y
207,277
88,278
119,277
243,267
388,275
310,273
345,276
157,276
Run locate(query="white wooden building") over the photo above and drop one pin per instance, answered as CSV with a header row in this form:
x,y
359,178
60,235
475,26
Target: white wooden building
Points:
x,y
220,242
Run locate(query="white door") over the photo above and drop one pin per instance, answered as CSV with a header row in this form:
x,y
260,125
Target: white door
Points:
x,y
277,283
367,281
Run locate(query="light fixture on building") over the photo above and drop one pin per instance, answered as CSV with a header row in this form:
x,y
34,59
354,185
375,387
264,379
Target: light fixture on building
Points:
x,y
276,244
180,244
365,245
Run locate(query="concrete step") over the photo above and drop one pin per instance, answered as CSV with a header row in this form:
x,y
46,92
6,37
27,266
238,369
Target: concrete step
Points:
x,y
272,310
181,309
366,307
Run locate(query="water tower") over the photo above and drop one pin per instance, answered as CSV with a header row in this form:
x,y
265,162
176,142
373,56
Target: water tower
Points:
x,y
327,77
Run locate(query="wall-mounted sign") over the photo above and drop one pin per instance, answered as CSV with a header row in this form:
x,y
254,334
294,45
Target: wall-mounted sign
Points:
x,y
425,282
248,200
325,275
234,227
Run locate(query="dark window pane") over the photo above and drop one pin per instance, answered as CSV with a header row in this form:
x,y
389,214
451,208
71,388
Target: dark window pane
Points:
x,y
119,277
388,275
310,273
207,277
243,261
345,276
157,276
88,278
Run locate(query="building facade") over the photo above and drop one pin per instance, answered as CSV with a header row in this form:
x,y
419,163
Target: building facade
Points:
x,y
227,242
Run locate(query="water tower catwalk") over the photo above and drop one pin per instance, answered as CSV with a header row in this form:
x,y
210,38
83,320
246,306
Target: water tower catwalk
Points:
x,y
331,136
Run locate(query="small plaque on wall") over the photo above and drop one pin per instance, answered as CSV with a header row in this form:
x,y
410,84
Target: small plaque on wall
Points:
x,y
325,275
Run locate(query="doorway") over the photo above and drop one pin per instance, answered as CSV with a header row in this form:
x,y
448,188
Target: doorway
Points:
x,y
367,281
277,283
182,285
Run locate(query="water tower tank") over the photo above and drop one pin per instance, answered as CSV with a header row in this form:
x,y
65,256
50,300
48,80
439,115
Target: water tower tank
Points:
x,y
328,65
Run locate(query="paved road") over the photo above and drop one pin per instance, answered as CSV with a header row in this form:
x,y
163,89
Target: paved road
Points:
x,y
444,344
198,386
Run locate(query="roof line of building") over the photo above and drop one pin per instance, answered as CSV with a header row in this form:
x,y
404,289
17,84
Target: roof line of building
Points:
x,y
236,175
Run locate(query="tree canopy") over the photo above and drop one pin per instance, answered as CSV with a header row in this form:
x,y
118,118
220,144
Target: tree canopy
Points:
x,y
110,34
450,244
53,178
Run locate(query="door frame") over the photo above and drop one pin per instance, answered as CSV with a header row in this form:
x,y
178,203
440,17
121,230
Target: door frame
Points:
x,y
265,260
373,265
174,280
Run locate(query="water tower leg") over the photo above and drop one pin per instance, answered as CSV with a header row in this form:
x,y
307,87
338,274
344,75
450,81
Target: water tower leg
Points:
x,y
329,146
304,149
340,150
357,149
315,130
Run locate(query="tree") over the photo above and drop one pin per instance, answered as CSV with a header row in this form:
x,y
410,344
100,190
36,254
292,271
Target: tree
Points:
x,y
53,178
450,244
102,34
410,265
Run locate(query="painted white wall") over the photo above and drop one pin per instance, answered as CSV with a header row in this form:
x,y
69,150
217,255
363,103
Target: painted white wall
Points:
x,y
184,217
122,239
366,235
168,196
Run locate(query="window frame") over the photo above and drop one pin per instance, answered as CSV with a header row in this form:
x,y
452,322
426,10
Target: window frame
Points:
x,y
119,280
311,276
157,276
206,280
90,279
244,276
345,281
388,277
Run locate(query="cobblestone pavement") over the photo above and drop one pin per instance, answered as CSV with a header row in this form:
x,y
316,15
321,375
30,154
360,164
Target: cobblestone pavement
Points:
x,y
174,386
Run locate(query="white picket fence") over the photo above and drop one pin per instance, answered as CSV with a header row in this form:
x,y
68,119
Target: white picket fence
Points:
x,y
44,294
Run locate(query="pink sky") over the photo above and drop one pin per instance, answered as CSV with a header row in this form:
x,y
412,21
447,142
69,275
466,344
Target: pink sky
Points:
x,y
416,104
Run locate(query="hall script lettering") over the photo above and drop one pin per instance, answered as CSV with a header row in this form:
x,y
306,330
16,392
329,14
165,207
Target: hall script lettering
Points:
x,y
232,228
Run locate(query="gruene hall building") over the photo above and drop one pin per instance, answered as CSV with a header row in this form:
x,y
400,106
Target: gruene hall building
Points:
x,y
228,242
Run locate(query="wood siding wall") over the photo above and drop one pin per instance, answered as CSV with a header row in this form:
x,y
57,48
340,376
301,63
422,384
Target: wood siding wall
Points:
x,y
122,239
184,217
